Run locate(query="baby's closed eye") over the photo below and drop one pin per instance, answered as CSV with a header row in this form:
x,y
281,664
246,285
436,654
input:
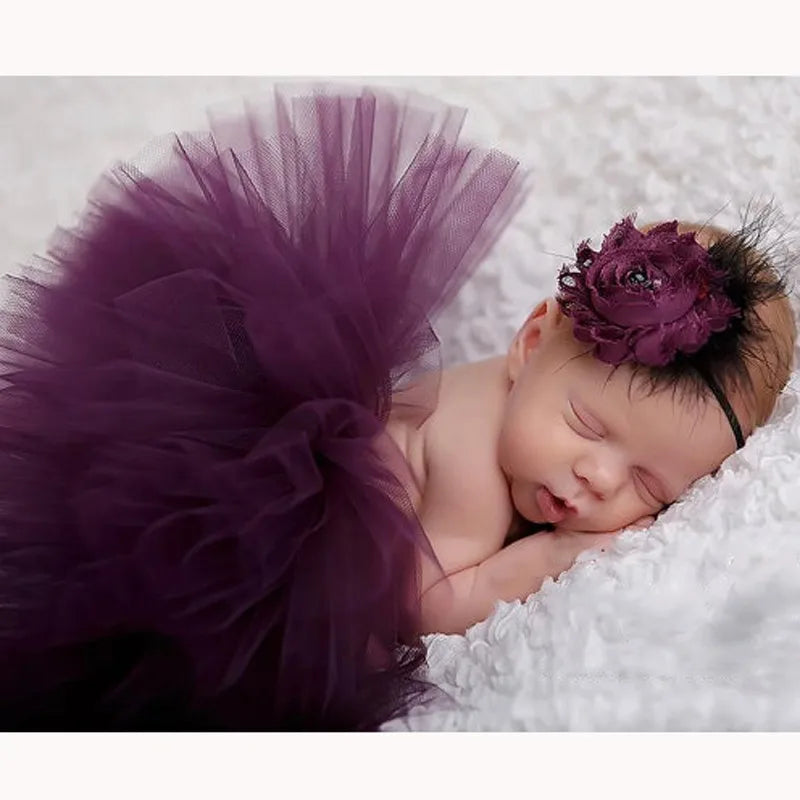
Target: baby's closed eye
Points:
x,y
583,424
647,488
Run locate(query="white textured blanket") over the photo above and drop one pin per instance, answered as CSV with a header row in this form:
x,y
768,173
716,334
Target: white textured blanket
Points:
x,y
692,625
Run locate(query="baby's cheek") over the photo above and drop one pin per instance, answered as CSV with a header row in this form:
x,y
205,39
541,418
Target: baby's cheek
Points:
x,y
613,516
516,445
505,439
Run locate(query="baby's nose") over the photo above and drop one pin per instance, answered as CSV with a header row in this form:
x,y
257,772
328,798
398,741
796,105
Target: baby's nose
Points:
x,y
602,475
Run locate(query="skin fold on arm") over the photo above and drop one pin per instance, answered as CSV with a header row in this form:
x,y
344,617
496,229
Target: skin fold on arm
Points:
x,y
457,601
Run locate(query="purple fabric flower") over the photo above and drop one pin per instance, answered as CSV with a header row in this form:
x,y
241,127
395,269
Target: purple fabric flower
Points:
x,y
644,297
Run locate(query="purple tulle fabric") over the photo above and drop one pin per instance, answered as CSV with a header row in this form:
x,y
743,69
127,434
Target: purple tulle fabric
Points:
x,y
201,525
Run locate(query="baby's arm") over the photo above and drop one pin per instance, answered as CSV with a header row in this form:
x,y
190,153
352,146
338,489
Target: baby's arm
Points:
x,y
459,600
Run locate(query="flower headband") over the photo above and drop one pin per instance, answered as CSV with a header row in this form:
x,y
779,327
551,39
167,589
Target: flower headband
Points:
x,y
647,297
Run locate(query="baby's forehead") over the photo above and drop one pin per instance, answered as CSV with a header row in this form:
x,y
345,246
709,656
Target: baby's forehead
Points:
x,y
627,384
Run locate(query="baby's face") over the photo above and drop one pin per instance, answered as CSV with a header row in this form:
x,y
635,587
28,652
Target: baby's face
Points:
x,y
584,449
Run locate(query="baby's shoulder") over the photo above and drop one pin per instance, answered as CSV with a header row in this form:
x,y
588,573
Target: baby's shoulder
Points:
x,y
461,434
466,510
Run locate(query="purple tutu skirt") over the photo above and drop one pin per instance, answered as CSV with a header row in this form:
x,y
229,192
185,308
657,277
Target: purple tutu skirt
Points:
x,y
200,524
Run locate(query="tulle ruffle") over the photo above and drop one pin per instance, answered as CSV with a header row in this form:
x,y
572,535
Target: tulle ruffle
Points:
x,y
200,520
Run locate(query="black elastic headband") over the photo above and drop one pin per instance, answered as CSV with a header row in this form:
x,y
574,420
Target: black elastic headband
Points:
x,y
726,407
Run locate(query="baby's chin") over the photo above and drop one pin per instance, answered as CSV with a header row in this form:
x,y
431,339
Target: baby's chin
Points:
x,y
573,523
598,526
587,525
583,526
570,523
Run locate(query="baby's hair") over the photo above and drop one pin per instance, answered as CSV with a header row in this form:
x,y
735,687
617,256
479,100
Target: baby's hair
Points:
x,y
754,354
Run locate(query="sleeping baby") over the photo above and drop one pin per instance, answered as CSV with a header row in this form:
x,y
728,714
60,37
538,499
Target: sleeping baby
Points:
x,y
659,355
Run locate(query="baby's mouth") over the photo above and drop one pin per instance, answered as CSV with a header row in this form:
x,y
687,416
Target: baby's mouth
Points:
x,y
554,508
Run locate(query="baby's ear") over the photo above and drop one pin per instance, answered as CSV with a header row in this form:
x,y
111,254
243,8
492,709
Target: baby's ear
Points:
x,y
541,322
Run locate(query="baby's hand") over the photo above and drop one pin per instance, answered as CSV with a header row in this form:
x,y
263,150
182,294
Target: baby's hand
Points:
x,y
567,545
